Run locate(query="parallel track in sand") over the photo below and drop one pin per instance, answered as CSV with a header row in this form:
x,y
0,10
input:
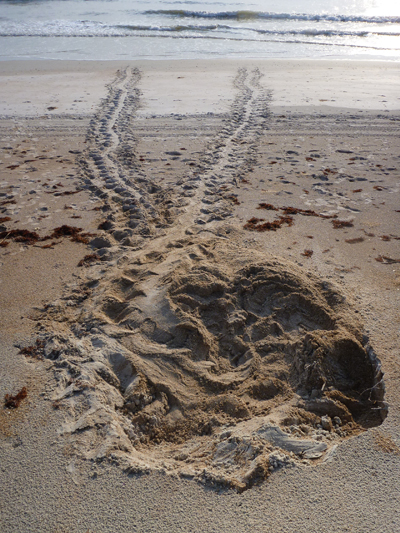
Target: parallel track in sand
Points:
x,y
114,172
184,351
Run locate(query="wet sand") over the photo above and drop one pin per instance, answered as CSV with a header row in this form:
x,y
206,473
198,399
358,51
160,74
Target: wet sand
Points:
x,y
226,351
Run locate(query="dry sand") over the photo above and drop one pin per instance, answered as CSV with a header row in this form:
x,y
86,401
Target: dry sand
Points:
x,y
226,356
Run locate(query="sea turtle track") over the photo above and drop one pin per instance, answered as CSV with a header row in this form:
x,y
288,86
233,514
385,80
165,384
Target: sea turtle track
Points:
x,y
233,152
114,172
178,352
112,169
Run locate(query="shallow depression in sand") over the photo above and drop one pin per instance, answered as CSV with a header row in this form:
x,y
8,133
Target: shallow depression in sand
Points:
x,y
202,363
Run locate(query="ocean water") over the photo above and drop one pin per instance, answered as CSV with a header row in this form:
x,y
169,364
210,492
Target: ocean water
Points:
x,y
161,29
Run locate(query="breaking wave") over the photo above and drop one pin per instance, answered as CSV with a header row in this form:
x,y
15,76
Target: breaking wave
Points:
x,y
95,29
254,15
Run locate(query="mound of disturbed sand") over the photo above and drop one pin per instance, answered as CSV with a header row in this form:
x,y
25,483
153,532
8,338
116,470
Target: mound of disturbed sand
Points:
x,y
194,360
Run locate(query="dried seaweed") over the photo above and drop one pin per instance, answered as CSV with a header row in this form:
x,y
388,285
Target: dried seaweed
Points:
x,y
70,231
347,270
307,253
12,402
56,404
66,231
355,240
36,350
305,212
254,224
337,224
234,200
105,225
49,245
286,220
82,238
329,171
3,244
5,202
67,193
88,259
21,235
4,219
31,237
386,260
267,226
253,221
268,207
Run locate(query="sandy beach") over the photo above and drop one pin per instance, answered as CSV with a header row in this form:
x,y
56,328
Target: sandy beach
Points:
x,y
200,274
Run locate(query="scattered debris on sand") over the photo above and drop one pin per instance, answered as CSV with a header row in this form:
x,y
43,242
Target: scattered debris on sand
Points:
x,y
88,259
386,260
36,350
12,402
32,237
307,253
338,224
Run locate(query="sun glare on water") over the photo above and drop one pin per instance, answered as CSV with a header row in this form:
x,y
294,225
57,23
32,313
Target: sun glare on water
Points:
x,y
382,7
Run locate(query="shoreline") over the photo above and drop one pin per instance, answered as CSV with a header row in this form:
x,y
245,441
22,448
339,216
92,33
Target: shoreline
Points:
x,y
198,161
